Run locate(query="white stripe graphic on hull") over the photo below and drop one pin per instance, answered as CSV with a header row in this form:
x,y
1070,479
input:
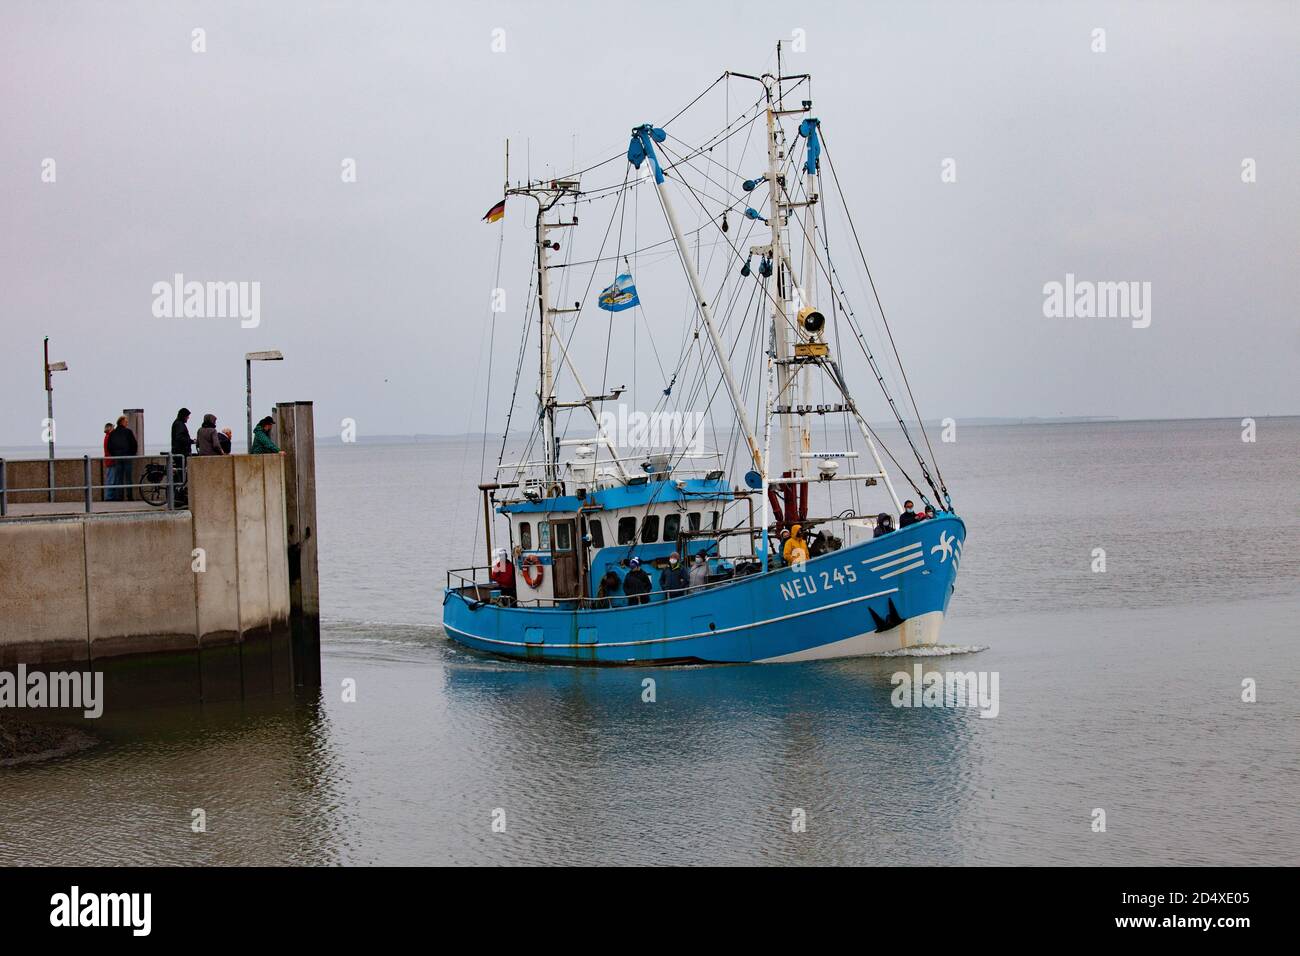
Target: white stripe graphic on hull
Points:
x,y
903,560
909,567
890,554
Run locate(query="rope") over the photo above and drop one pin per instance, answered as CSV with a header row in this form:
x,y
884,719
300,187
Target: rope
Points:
x,y
888,330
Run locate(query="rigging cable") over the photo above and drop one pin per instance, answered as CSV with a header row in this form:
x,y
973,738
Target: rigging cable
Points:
x,y
947,498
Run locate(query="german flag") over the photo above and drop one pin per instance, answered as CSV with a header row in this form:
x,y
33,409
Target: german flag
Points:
x,y
496,212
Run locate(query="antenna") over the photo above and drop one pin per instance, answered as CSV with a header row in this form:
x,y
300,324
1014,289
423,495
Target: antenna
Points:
x,y
780,101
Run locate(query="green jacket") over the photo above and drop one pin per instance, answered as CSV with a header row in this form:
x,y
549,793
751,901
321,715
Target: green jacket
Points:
x,y
262,444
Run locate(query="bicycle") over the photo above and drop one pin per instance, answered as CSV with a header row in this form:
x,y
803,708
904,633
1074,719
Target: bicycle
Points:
x,y
153,485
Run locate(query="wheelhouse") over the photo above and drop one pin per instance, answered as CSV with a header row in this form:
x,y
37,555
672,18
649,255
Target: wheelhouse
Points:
x,y
564,545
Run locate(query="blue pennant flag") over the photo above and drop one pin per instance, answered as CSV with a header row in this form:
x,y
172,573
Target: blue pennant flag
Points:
x,y
619,296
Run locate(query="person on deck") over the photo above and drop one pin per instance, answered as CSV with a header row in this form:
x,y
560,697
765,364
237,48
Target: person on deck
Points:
x,y
884,524
699,575
636,584
262,443
796,548
908,516
781,540
122,445
209,443
503,572
929,511
224,439
673,579
610,585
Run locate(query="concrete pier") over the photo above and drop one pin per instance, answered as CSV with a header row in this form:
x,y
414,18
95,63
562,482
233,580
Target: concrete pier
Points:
x,y
198,599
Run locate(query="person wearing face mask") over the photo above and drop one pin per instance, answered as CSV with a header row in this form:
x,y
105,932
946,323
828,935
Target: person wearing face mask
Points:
x,y
908,516
672,579
699,572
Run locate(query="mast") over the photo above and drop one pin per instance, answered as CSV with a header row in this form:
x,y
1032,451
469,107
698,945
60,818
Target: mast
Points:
x,y
787,383
790,341
547,194
546,389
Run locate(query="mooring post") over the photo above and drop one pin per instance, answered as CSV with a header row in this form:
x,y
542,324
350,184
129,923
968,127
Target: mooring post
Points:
x,y
296,436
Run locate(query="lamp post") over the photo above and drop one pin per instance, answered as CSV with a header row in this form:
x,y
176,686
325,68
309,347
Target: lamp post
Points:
x,y
273,355
50,368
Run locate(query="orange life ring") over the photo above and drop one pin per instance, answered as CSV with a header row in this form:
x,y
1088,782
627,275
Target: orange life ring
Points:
x,y
533,562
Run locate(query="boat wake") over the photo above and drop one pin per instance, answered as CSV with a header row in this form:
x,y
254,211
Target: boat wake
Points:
x,y
933,650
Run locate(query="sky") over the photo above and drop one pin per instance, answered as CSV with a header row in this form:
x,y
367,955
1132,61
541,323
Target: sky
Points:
x,y
1127,163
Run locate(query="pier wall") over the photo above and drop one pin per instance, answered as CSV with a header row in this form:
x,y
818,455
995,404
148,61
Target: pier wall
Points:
x,y
99,588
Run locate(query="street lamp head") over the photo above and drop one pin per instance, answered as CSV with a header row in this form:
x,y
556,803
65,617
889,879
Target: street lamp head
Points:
x,y
272,355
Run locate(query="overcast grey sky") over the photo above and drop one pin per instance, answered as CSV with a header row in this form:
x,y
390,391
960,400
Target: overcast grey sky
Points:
x,y
225,165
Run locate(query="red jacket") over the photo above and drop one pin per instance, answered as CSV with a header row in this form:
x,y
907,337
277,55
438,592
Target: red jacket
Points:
x,y
504,577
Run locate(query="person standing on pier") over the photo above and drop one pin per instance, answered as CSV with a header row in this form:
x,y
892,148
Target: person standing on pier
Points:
x,y
262,443
121,443
110,493
182,445
209,437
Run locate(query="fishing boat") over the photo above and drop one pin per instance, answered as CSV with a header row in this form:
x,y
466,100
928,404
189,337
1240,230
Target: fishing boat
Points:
x,y
792,551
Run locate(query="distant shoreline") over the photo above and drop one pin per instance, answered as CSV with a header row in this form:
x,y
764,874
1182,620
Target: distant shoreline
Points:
x,y
422,438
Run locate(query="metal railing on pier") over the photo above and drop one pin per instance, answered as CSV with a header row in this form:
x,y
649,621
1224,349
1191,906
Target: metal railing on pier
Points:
x,y
161,484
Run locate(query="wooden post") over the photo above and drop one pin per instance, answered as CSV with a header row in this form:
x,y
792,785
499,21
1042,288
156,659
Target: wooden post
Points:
x,y
296,436
487,520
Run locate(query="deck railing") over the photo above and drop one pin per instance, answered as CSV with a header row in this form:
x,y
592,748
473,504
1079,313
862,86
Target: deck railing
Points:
x,y
619,600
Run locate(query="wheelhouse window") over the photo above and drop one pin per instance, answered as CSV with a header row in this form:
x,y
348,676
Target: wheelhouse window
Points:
x,y
563,536
672,525
626,530
650,529
693,521
717,519
525,536
597,532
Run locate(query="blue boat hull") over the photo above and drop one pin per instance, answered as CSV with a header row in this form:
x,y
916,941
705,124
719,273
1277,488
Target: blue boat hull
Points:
x,y
880,595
